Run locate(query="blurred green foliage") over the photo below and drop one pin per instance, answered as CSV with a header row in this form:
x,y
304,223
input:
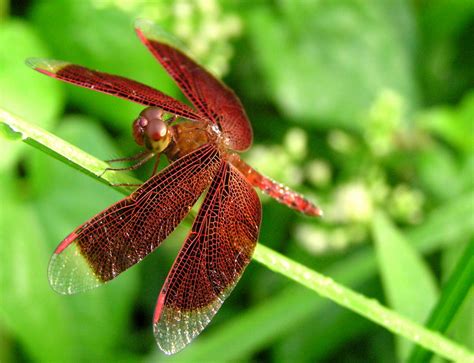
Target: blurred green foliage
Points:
x,y
365,106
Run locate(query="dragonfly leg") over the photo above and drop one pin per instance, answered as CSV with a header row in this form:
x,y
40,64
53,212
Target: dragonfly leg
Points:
x,y
129,158
126,185
145,157
155,166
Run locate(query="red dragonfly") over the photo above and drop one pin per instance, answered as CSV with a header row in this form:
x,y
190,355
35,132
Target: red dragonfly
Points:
x,y
200,144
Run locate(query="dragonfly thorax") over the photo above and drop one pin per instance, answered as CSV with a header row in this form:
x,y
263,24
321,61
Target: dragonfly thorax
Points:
x,y
151,130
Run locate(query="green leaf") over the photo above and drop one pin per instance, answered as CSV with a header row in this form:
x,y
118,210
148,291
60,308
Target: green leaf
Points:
x,y
451,301
449,223
453,124
328,69
446,28
29,95
335,327
408,283
22,91
461,328
31,309
435,158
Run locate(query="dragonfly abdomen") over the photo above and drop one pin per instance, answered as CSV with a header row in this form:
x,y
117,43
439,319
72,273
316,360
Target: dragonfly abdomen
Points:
x,y
278,191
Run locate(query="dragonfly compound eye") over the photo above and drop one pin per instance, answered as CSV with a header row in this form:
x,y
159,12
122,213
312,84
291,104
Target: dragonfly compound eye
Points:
x,y
151,131
157,135
138,128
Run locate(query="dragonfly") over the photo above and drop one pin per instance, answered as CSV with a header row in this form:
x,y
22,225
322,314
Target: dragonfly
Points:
x,y
201,143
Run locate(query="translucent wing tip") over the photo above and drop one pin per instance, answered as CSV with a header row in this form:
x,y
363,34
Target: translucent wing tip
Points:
x,y
45,65
167,328
147,29
168,345
175,328
144,25
69,272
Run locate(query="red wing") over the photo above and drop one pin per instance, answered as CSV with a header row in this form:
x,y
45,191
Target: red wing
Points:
x,y
113,85
211,261
210,96
129,230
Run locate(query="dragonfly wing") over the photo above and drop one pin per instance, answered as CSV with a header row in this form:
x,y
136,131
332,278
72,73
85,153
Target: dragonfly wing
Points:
x,y
209,95
211,261
113,85
129,230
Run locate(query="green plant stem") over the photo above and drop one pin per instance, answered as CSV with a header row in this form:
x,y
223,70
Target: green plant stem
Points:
x,y
453,295
15,128
369,308
18,129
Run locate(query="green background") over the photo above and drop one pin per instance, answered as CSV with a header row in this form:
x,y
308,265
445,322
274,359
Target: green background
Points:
x,y
366,107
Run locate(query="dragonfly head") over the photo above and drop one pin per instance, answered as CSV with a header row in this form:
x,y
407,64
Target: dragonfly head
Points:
x,y
151,130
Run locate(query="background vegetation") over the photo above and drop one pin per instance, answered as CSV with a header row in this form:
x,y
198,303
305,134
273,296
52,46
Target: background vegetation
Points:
x,y
367,107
